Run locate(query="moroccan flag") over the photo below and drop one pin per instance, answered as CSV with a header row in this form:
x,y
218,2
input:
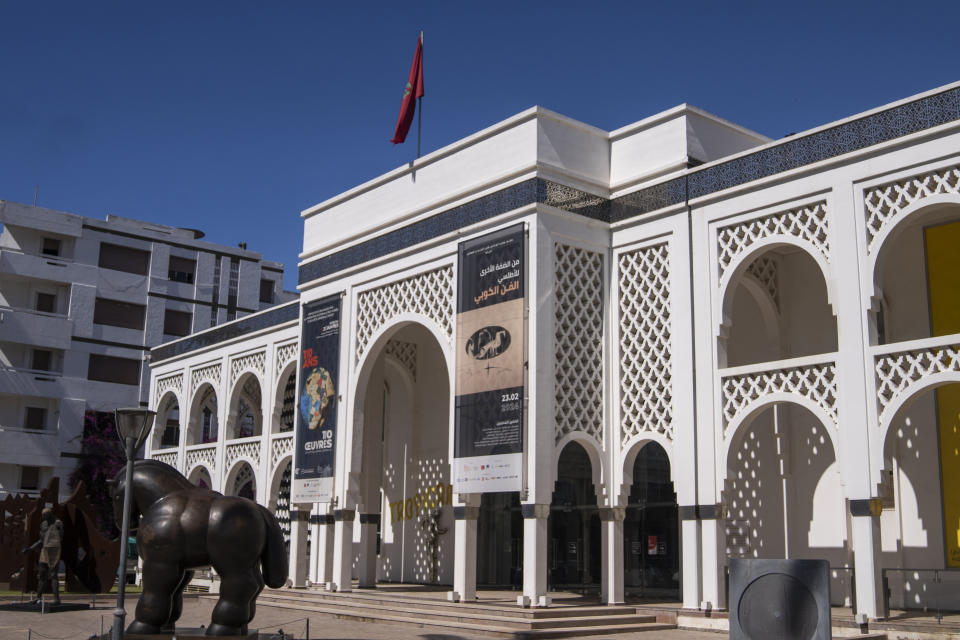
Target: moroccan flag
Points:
x,y
413,90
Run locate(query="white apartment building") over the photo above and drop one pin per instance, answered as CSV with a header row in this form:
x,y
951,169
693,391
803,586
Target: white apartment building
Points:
x,y
82,301
731,347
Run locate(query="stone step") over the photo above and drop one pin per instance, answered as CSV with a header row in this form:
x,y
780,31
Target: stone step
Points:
x,y
483,620
469,613
379,598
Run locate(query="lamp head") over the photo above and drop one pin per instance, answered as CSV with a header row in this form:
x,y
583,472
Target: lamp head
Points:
x,y
134,422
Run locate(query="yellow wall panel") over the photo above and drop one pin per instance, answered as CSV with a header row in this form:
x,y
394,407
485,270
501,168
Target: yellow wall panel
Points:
x,y
943,278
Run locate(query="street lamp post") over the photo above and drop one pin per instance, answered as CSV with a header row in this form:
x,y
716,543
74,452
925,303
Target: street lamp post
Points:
x,y
133,426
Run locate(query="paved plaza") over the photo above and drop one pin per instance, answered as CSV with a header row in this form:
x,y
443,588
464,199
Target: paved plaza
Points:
x,y
80,625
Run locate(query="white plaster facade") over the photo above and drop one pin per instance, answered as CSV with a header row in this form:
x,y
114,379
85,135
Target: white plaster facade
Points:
x,y
58,255
756,309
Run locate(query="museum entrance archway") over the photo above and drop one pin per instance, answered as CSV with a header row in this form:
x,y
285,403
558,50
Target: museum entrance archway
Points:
x,y
405,512
651,535
573,528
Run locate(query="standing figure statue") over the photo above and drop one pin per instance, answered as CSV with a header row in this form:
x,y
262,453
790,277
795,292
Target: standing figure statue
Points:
x,y
51,537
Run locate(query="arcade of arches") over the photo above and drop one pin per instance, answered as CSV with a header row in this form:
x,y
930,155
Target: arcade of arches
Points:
x,y
757,362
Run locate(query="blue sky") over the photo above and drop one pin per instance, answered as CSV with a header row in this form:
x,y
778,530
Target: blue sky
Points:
x,y
232,117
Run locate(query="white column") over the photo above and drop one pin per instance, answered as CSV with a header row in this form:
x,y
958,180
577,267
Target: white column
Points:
x,y
866,558
465,550
299,519
714,596
611,546
690,557
324,559
850,286
315,549
342,550
534,556
367,568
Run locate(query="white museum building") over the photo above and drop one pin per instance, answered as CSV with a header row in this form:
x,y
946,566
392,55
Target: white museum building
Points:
x,y
716,345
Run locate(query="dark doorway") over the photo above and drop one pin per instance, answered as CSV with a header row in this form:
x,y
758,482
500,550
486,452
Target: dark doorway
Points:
x,y
573,551
500,541
651,529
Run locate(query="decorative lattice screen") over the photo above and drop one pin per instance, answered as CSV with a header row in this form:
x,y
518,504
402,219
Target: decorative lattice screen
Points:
x,y
428,294
886,202
646,393
808,223
578,346
898,372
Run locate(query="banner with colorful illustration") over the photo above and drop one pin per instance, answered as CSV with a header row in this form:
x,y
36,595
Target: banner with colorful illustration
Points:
x,y
491,363
317,395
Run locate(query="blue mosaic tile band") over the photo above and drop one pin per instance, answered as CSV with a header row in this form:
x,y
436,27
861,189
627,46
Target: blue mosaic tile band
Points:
x,y
243,326
790,154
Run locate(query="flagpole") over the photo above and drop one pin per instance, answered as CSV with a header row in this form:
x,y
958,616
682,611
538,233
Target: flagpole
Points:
x,y
420,101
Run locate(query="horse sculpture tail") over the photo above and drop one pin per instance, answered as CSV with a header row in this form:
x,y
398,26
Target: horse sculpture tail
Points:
x,y
274,556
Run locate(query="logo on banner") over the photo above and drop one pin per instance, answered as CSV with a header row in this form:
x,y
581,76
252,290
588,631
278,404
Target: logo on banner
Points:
x,y
488,342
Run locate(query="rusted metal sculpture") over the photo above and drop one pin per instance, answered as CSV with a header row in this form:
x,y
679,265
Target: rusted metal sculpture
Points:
x,y
182,527
89,557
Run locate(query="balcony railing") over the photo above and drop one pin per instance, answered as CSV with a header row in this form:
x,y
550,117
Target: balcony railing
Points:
x,y
36,328
42,314
45,431
53,268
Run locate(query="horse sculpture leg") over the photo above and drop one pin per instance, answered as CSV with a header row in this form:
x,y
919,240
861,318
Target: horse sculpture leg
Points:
x,y
238,589
176,607
160,582
253,600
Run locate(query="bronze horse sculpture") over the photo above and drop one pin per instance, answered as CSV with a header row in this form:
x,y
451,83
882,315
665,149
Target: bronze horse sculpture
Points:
x,y
182,527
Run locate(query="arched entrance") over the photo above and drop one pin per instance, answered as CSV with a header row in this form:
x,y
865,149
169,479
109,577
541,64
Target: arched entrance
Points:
x,y
204,424
200,477
776,306
167,430
280,498
286,403
920,521
651,535
783,493
242,482
246,412
405,512
573,527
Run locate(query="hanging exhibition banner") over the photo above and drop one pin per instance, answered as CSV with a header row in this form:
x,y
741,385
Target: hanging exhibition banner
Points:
x,y
317,393
491,361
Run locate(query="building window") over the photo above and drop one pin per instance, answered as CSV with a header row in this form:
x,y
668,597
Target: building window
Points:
x,y
50,247
35,418
216,291
177,323
182,269
47,302
29,478
112,369
114,256
119,314
41,360
266,291
233,287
